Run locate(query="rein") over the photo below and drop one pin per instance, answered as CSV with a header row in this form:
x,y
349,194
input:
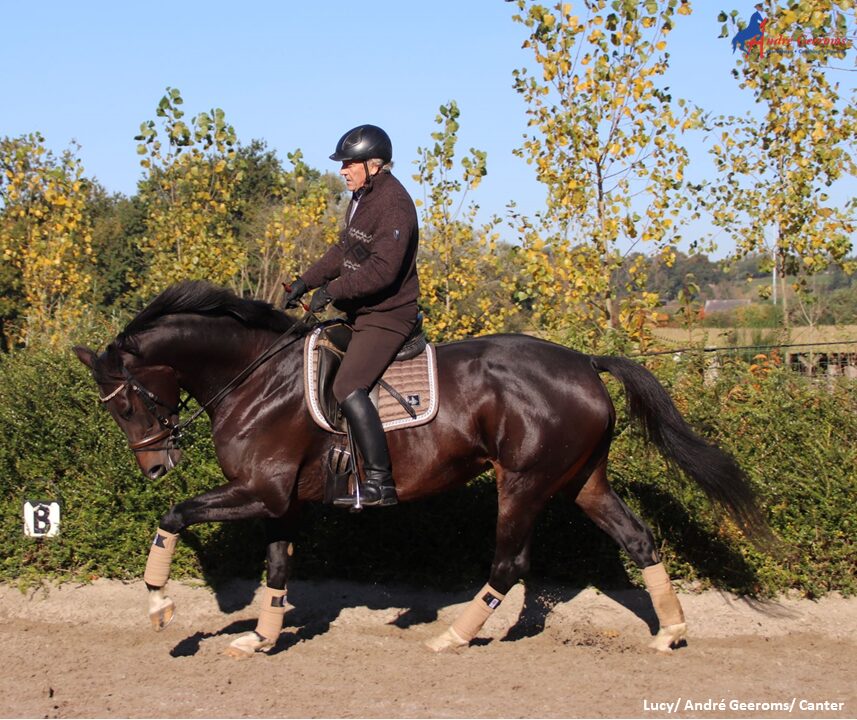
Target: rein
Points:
x,y
172,431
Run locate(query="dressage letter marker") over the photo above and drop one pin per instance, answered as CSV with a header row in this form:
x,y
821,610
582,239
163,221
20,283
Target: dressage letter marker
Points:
x,y
41,518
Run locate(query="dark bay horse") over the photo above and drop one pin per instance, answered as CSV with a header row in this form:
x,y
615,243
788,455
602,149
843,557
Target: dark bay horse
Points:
x,y
535,412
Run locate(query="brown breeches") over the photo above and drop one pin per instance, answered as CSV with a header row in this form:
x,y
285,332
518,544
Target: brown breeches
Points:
x,y
371,350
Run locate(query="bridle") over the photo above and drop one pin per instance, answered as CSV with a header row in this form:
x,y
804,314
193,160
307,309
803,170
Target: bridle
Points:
x,y
172,431
169,431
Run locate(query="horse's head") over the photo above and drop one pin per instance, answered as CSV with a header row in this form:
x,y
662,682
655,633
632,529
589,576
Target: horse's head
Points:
x,y
144,402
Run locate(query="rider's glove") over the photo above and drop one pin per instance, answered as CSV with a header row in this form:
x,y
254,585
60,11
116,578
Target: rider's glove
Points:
x,y
294,293
320,299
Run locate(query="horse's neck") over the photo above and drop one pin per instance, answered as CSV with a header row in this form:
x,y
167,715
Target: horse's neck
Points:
x,y
206,352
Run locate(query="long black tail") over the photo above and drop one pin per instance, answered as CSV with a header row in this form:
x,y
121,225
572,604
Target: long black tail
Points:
x,y
713,469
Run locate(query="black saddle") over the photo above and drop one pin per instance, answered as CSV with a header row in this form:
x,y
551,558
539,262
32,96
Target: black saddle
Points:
x,y
332,344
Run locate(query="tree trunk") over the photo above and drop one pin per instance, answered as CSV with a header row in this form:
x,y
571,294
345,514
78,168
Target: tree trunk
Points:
x,y
782,261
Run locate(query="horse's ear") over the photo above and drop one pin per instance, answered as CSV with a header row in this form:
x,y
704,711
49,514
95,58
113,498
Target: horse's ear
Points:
x,y
85,355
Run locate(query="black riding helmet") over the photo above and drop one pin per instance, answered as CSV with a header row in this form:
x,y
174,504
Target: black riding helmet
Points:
x,y
362,143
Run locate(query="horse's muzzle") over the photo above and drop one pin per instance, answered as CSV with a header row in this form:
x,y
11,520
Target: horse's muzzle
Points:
x,y
157,462
156,471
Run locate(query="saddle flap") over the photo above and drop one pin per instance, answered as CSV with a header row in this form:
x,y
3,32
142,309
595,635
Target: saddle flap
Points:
x,y
328,361
331,345
338,335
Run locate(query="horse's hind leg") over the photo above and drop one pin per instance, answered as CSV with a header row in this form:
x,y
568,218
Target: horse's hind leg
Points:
x,y
516,515
597,499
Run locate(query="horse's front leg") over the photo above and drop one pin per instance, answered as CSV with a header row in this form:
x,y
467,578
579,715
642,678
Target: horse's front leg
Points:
x,y
273,599
228,502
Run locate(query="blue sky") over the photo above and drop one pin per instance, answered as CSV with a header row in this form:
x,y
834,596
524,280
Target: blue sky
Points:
x,y
299,74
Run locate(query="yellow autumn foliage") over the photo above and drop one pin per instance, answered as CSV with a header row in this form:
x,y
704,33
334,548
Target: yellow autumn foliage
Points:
x,y
460,267
297,231
45,237
772,196
604,142
187,192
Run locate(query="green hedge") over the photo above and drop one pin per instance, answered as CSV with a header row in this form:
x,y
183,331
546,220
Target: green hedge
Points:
x,y
794,436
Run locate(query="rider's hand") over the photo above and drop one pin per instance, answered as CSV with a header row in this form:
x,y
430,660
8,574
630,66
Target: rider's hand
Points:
x,y
320,299
294,293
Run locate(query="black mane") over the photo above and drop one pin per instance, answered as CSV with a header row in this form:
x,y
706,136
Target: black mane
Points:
x,y
203,298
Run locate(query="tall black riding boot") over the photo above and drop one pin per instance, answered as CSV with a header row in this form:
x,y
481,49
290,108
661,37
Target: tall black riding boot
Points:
x,y
377,488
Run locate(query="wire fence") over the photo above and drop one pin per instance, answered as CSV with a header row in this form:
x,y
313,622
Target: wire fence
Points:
x,y
727,348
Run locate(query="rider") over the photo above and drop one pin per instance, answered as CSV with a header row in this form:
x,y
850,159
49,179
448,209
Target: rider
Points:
x,y
370,274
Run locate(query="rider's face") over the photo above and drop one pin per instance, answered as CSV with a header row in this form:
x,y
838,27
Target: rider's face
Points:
x,y
354,173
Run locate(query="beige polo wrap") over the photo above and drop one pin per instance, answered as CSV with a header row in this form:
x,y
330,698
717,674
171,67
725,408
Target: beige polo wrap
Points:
x,y
271,613
160,556
470,622
667,606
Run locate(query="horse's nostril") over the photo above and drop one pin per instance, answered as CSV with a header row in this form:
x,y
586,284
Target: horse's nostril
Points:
x,y
156,471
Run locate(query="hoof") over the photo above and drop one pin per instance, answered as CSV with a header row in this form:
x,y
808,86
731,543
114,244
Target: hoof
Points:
x,y
245,646
446,641
162,614
668,637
